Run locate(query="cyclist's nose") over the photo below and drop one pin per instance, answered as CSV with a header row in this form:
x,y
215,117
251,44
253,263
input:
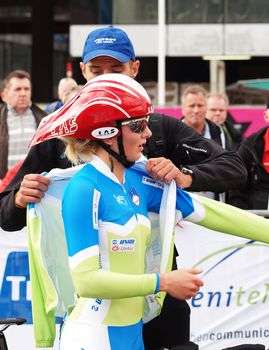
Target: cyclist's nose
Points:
x,y
147,133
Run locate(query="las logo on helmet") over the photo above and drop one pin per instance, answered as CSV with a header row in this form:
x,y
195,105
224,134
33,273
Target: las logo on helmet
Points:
x,y
105,132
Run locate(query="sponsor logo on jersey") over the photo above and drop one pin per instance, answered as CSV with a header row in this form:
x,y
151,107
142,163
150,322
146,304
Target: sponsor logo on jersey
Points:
x,y
134,196
151,182
123,245
96,197
120,199
96,305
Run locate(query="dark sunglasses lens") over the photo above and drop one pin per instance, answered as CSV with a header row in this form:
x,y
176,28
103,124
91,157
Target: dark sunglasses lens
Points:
x,y
138,126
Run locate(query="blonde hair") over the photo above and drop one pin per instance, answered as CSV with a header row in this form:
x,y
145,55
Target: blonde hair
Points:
x,y
78,150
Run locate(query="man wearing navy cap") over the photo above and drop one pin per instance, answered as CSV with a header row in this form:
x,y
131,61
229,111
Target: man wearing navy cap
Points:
x,y
176,152
112,41
108,50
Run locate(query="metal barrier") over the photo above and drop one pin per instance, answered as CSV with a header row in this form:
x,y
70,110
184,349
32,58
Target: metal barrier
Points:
x,y
260,212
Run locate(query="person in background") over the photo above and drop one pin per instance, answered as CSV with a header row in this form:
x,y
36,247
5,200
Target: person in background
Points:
x,y
174,151
70,94
194,109
19,118
12,172
65,85
217,112
254,152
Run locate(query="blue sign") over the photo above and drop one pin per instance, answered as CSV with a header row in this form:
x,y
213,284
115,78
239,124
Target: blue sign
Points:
x,y
15,295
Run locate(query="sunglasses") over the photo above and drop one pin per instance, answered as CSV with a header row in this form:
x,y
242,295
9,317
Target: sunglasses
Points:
x,y
137,125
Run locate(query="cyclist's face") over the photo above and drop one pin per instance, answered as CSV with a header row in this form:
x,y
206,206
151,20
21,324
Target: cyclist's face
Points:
x,y
134,142
134,138
105,64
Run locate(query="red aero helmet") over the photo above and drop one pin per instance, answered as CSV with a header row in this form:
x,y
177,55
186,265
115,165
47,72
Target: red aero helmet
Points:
x,y
92,113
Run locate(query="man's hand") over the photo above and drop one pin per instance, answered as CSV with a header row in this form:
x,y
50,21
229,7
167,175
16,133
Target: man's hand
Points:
x,y
181,284
163,169
31,190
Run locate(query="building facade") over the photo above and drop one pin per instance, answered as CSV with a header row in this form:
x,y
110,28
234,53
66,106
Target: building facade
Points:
x,y
46,37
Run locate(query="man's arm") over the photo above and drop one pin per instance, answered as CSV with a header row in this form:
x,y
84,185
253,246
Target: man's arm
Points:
x,y
28,185
214,168
164,169
240,197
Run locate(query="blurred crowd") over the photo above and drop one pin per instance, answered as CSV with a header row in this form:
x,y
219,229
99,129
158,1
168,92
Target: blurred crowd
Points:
x,y
205,112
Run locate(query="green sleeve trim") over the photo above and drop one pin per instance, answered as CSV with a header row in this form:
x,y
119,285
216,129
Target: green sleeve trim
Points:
x,y
45,344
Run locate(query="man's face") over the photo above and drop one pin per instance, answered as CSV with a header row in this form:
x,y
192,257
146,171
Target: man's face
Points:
x,y
18,94
216,110
194,111
105,64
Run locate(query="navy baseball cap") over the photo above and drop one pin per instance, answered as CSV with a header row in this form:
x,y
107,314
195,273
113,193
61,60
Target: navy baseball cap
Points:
x,y
108,41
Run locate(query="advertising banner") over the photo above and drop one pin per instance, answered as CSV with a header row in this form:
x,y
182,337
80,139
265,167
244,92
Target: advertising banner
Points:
x,y
230,309
15,291
232,306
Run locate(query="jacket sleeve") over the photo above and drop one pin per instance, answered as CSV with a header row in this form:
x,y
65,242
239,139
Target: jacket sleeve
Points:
x,y
41,158
240,197
228,219
43,320
214,168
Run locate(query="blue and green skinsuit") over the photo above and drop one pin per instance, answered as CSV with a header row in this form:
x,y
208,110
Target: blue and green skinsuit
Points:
x,y
107,231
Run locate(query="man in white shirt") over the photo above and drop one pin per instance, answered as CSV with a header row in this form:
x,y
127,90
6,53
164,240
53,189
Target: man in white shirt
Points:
x,y
19,119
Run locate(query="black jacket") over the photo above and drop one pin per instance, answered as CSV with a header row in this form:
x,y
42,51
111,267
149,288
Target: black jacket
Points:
x,y
235,136
38,115
214,168
254,194
219,140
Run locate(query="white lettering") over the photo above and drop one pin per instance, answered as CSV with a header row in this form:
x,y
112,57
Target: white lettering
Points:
x,y
15,286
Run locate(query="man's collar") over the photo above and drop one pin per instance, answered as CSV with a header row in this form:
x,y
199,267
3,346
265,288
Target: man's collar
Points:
x,y
13,110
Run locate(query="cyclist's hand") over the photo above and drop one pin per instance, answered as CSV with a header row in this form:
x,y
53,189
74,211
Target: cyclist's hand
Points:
x,y
181,284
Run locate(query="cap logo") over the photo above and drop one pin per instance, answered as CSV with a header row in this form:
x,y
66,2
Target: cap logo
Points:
x,y
104,41
105,132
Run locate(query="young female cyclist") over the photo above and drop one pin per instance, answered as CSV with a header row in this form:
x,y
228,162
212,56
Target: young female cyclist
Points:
x,y
105,214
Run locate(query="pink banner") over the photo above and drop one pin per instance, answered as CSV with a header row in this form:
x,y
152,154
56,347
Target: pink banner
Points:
x,y
251,118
